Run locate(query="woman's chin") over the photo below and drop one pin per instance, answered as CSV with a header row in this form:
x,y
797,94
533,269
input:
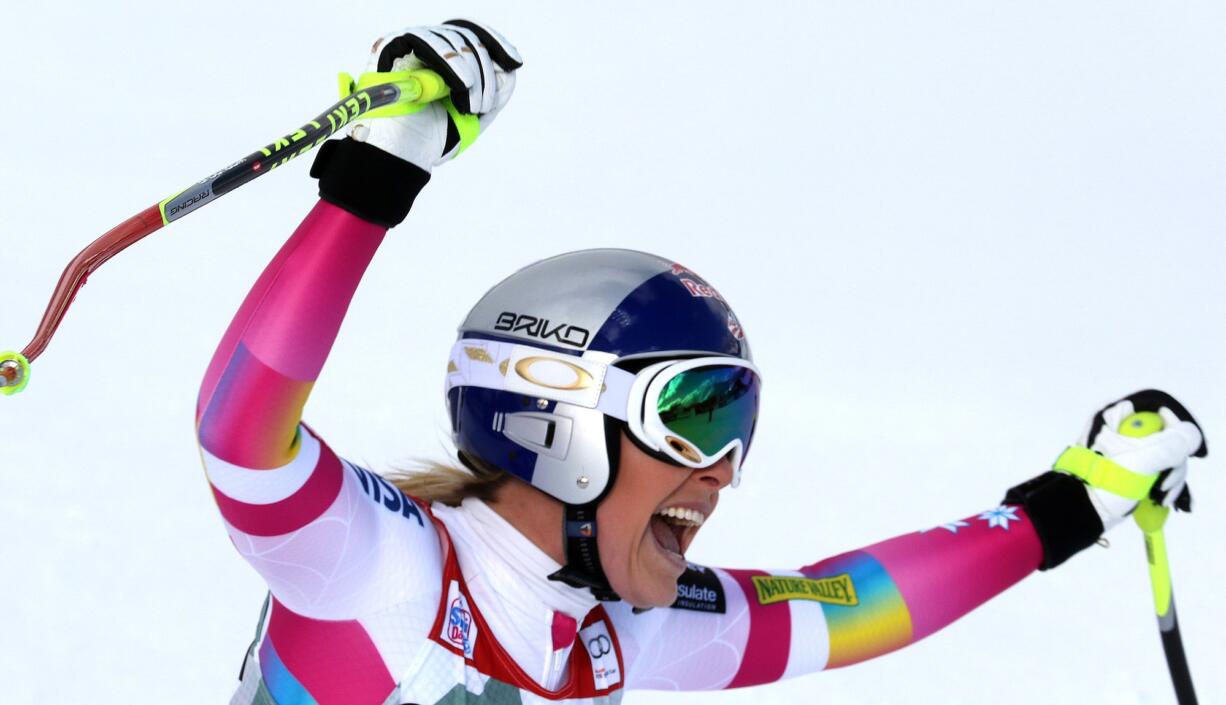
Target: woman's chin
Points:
x,y
654,598
655,585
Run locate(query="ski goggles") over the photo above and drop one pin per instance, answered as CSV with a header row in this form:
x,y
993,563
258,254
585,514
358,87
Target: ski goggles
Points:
x,y
693,411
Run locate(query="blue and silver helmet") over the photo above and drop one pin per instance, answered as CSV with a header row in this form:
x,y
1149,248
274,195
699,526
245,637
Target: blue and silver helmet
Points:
x,y
608,306
556,360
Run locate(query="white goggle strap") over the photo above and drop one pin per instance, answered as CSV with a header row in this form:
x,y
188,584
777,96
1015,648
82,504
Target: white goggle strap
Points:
x,y
540,373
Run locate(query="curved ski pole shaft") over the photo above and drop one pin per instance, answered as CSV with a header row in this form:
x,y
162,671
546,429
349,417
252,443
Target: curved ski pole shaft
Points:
x,y
419,86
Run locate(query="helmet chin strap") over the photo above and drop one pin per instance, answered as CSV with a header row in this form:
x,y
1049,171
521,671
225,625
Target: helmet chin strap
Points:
x,y
583,568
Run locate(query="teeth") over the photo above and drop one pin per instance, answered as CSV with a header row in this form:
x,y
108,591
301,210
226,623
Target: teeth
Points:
x,y
682,516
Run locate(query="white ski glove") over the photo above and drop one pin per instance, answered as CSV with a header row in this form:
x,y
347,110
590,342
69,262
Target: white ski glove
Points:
x,y
1101,479
477,64
1153,465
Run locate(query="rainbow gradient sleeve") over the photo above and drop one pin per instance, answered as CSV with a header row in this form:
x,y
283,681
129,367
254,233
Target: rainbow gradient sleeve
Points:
x,y
898,591
737,628
334,542
258,381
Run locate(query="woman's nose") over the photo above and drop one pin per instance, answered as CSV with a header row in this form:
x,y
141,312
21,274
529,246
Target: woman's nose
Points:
x,y
717,476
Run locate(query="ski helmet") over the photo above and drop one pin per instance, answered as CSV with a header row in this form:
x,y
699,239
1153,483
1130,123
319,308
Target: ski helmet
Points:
x,y
588,311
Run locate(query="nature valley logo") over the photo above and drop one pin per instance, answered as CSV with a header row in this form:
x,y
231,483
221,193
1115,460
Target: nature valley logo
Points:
x,y
835,590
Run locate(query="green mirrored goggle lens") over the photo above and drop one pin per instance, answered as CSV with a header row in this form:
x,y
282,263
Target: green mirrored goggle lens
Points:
x,y
709,407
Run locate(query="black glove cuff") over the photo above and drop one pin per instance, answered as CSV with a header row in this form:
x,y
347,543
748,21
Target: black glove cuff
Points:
x,y
366,181
1063,515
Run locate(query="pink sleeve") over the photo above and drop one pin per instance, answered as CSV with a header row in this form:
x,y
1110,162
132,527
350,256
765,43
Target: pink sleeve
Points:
x,y
332,540
259,379
733,628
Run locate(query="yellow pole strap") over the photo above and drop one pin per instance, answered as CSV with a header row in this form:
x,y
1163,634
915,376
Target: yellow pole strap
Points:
x,y
1103,473
418,87
467,125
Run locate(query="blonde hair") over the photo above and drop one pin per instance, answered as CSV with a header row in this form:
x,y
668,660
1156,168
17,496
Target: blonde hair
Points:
x,y
434,481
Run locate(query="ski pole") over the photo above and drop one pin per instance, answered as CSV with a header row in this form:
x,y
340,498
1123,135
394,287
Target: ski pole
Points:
x,y
1150,517
393,90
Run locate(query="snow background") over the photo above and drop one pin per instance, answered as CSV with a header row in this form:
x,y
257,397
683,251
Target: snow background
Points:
x,y
952,230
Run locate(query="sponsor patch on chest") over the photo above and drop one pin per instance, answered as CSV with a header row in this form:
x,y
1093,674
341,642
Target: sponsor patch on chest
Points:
x,y
459,627
699,589
606,672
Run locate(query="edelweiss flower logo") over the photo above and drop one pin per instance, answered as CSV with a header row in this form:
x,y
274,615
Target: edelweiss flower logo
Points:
x,y
952,526
1000,517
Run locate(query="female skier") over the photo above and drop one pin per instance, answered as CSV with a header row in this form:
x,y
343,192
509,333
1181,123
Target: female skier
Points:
x,y
599,401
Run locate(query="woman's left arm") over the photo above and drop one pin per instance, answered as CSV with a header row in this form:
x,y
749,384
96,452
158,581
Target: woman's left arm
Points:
x,y
733,628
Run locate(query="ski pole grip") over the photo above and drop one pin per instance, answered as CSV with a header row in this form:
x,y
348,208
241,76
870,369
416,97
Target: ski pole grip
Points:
x,y
431,86
417,88
1141,424
1148,515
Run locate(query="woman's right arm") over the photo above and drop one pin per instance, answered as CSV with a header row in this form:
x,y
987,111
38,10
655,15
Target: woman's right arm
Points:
x,y
333,540
319,530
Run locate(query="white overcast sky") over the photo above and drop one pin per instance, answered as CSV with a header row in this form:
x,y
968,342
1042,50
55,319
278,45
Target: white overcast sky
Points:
x,y
952,231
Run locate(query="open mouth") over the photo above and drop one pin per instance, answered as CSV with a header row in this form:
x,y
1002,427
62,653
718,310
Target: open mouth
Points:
x,y
674,528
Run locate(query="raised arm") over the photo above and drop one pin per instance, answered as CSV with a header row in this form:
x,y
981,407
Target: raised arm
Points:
x,y
271,476
733,628
258,381
316,527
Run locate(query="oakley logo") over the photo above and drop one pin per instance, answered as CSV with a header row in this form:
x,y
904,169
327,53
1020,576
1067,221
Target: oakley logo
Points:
x,y
542,328
552,373
599,646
